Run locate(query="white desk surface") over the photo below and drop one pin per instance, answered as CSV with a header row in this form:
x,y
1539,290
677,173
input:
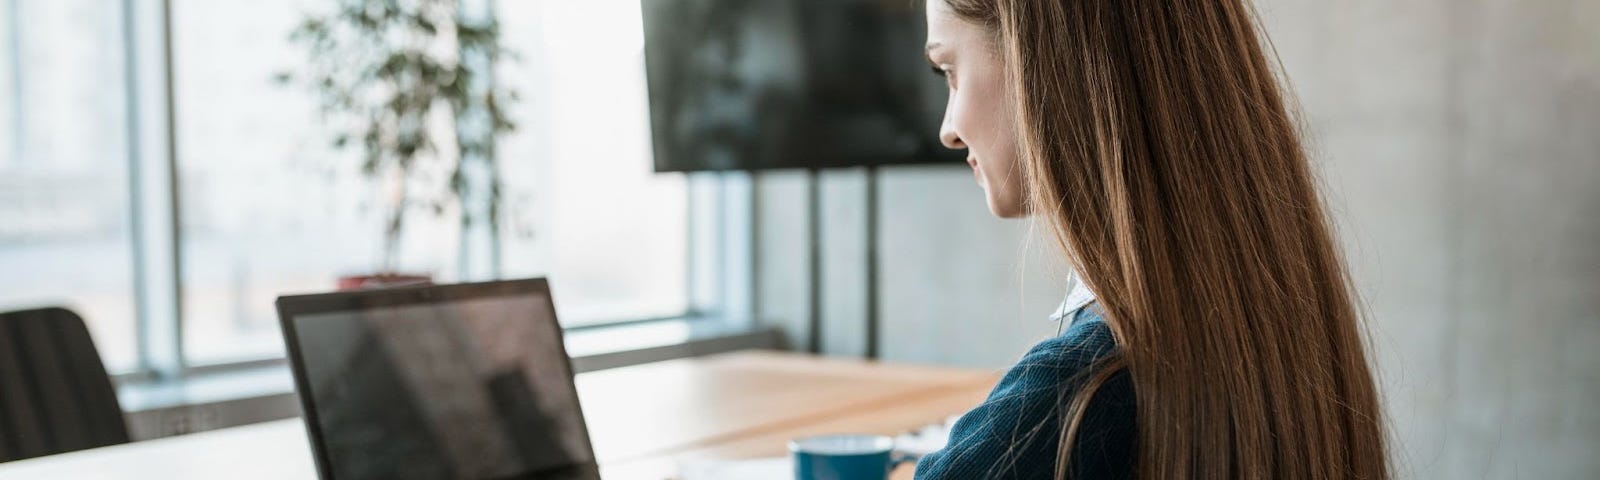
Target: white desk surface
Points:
x,y
641,419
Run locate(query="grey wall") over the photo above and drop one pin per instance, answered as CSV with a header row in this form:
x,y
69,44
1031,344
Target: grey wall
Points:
x,y
957,285
1460,142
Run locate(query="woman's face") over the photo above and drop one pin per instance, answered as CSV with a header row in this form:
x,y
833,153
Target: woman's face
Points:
x,y
978,116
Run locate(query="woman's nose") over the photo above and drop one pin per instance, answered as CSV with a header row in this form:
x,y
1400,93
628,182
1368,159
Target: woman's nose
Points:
x,y
949,137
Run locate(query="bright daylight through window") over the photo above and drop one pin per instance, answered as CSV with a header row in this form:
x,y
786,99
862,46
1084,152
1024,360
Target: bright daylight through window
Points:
x,y
266,205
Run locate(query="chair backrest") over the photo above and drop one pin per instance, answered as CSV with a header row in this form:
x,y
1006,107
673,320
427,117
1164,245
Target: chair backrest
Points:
x,y
55,395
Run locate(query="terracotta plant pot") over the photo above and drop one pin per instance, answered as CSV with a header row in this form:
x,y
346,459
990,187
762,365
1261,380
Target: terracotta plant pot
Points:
x,y
382,280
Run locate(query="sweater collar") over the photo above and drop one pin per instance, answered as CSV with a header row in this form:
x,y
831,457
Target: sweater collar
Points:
x,y
1078,296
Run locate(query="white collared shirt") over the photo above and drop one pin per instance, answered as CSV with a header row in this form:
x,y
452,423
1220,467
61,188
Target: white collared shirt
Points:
x,y
1078,296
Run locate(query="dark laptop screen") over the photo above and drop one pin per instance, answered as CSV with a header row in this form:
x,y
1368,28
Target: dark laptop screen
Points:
x,y
463,388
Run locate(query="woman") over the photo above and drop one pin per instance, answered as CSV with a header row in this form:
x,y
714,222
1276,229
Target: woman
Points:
x,y
1153,138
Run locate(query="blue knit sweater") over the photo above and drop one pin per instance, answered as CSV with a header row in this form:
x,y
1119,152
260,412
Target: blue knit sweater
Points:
x,y
1016,432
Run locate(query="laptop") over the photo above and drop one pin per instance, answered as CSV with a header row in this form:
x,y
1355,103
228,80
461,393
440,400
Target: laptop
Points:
x,y
451,382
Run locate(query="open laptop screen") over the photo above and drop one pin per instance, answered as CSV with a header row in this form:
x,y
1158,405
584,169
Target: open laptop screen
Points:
x,y
449,382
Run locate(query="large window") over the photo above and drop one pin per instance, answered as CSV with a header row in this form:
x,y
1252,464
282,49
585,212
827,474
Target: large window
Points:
x,y
264,206
64,184
268,207
611,233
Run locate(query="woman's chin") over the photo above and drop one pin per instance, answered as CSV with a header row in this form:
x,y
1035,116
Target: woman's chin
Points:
x,y
1006,209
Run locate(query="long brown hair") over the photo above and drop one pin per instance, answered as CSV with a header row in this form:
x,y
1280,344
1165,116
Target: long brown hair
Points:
x,y
1159,147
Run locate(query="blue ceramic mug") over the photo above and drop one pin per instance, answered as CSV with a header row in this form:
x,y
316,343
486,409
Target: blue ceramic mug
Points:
x,y
845,457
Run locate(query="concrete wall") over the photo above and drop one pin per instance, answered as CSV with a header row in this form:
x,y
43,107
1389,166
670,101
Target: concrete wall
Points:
x,y
1460,141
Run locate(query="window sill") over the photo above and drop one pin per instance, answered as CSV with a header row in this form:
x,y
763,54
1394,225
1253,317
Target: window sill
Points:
x,y
224,396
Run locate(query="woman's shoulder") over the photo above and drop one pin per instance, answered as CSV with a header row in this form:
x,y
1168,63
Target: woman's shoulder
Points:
x,y
1015,432
1088,340
1105,446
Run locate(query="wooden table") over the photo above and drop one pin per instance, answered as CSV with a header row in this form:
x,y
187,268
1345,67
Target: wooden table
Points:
x,y
643,420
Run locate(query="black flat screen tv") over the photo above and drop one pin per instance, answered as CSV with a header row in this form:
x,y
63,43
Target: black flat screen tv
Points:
x,y
776,84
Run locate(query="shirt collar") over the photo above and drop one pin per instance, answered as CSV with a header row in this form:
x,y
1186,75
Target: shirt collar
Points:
x,y
1078,296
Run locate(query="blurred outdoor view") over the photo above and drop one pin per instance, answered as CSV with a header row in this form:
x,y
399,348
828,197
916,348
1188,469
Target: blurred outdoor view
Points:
x,y
266,206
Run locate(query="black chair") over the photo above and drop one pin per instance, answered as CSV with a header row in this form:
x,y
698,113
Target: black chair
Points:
x,y
55,395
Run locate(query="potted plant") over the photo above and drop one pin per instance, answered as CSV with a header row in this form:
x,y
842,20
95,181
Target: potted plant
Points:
x,y
409,85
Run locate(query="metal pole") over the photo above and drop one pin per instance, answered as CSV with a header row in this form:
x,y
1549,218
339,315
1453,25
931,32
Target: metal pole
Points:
x,y
873,327
814,212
